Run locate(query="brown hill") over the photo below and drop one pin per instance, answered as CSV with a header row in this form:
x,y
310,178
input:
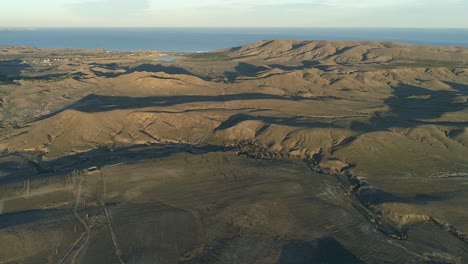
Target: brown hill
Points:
x,y
275,151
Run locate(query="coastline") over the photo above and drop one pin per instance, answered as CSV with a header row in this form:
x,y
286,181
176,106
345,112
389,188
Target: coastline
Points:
x,y
209,39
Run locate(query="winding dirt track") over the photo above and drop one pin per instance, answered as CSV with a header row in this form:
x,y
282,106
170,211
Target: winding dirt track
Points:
x,y
106,212
84,238
79,244
83,222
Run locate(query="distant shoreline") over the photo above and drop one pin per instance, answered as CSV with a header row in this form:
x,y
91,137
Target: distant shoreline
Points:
x,y
210,39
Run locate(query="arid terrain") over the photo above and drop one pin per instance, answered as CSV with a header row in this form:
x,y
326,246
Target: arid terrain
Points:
x,y
275,152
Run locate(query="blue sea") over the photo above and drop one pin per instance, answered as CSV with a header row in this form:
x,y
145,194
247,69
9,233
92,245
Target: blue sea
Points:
x,y
207,39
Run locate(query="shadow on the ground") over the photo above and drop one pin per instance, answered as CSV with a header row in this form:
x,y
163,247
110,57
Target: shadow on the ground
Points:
x,y
412,106
294,121
244,69
32,216
11,69
409,107
109,66
325,250
13,79
100,103
140,68
98,157
305,65
374,196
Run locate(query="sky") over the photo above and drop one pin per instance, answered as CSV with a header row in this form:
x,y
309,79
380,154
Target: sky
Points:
x,y
235,13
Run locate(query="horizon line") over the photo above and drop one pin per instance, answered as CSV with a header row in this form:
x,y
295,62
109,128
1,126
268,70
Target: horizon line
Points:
x,y
213,27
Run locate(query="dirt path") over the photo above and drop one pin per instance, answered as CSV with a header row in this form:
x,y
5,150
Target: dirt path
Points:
x,y
82,221
70,250
84,238
106,212
79,244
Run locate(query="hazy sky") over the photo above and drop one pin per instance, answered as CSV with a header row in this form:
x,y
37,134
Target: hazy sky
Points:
x,y
234,13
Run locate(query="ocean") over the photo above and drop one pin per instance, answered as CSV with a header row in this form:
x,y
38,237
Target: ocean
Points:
x,y
208,39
